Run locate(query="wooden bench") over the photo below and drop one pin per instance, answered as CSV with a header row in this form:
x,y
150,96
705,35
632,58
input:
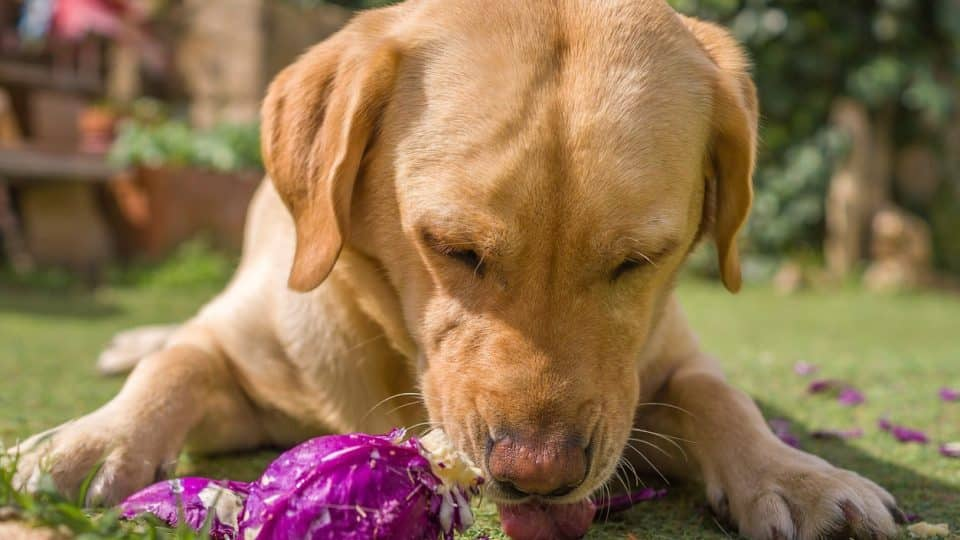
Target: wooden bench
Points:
x,y
59,202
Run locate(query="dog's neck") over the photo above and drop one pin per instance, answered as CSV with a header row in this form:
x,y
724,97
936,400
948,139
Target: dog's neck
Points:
x,y
376,297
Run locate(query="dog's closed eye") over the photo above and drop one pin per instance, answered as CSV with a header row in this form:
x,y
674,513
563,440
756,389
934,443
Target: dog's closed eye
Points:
x,y
457,251
639,260
628,266
468,257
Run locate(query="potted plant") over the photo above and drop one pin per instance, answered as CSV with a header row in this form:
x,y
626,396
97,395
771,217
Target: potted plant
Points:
x,y
184,182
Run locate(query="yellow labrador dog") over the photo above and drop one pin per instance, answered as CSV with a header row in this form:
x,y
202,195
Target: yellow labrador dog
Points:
x,y
487,204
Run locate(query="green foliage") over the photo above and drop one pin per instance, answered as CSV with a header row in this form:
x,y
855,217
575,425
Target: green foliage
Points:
x,y
45,507
898,56
226,147
790,199
193,265
945,227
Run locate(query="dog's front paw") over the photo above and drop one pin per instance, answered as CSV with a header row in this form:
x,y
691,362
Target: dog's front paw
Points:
x,y
788,494
119,460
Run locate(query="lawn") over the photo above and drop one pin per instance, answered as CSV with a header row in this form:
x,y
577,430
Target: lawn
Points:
x,y
898,349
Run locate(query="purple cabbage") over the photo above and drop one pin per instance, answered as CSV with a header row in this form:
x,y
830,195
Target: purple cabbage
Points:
x,y
349,487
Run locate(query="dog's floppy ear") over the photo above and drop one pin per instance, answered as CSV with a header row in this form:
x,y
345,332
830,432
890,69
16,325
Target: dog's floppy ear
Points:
x,y
733,147
318,117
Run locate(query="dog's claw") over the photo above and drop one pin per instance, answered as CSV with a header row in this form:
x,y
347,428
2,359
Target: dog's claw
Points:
x,y
899,516
777,534
851,514
810,499
722,508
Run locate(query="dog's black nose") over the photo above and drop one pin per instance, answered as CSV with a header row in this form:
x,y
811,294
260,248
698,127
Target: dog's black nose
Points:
x,y
549,467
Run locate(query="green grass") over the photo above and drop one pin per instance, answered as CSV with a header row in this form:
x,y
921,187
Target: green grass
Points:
x,y
899,349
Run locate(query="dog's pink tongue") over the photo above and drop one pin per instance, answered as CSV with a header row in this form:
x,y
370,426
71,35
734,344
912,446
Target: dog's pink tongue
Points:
x,y
534,521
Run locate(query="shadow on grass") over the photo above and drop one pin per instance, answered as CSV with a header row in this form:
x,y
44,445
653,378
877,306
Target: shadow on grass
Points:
x,y
684,514
53,302
929,498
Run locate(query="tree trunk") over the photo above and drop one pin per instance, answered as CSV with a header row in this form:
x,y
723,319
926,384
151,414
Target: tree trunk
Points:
x,y
860,186
221,58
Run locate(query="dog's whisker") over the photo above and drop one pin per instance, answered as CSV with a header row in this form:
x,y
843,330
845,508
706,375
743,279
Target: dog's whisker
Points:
x,y
664,435
650,463
365,342
479,265
647,259
404,406
619,476
453,244
723,530
623,483
417,395
669,439
657,448
606,516
667,405
604,498
642,255
428,424
627,465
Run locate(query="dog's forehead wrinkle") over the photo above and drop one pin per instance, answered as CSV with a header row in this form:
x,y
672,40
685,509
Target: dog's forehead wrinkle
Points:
x,y
485,81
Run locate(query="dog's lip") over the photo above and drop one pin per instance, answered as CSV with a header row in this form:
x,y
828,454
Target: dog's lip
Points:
x,y
499,496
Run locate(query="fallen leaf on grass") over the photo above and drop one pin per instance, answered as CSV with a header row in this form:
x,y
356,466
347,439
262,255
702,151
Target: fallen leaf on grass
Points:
x,y
805,368
903,433
846,393
950,450
850,397
781,428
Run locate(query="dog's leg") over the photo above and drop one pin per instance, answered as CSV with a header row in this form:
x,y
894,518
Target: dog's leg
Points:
x,y
765,487
129,347
135,438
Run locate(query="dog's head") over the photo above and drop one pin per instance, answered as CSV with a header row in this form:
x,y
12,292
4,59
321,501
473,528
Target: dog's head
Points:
x,y
529,179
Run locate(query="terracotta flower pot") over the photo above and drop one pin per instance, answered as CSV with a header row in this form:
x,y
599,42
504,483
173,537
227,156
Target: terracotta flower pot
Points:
x,y
162,207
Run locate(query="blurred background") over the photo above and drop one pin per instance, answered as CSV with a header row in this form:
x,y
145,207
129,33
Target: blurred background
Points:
x,y
129,151
129,126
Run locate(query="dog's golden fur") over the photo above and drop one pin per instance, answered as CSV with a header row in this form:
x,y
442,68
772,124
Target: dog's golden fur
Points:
x,y
487,203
